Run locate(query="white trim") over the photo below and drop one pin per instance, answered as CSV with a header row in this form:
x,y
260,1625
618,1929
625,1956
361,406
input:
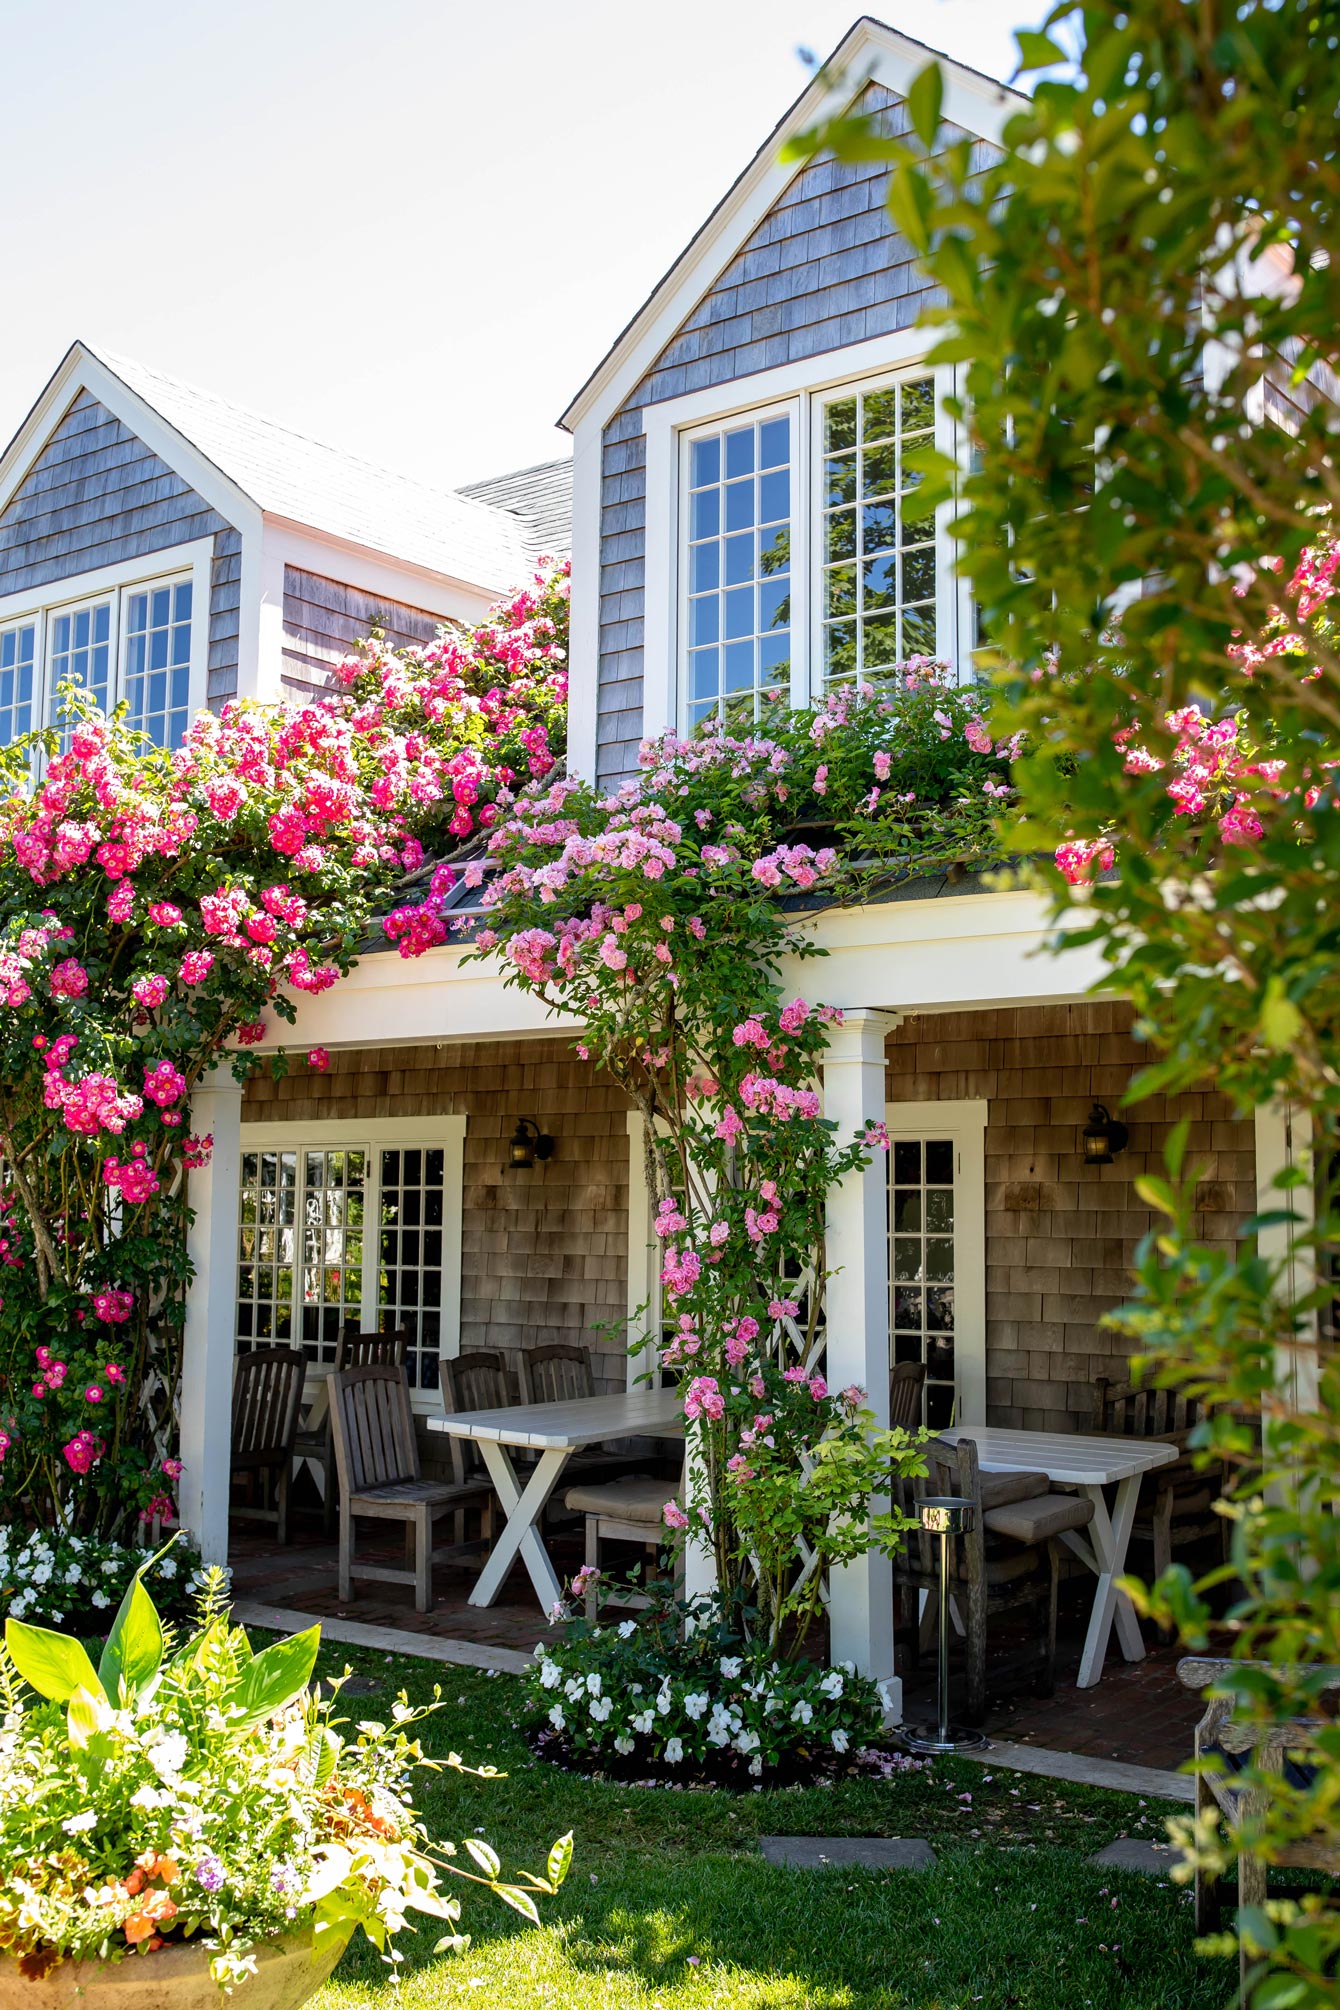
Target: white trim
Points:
x,y
1279,1148
644,1284
192,560
897,350
380,573
965,1123
447,1132
660,702
584,606
869,53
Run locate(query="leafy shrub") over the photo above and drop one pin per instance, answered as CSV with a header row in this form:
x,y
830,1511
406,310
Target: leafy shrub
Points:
x,y
636,1692
77,1582
207,1793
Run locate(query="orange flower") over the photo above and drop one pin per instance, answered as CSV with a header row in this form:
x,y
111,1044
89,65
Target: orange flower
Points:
x,y
138,1927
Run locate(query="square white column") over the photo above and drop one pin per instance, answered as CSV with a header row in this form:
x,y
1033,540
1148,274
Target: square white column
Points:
x,y
206,1402
856,1318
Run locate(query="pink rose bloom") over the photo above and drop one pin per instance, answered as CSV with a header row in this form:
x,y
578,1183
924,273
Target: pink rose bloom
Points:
x,y
163,914
121,902
69,979
673,1515
93,1394
818,1388
149,991
318,1058
196,966
977,736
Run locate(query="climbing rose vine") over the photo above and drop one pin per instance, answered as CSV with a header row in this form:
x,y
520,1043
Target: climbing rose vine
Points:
x,y
159,911
673,917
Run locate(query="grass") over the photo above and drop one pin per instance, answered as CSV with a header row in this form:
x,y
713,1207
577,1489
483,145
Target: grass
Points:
x,y
669,1906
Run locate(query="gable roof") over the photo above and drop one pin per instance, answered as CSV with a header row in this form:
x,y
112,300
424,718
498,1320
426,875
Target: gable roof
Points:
x,y
285,474
541,496
870,52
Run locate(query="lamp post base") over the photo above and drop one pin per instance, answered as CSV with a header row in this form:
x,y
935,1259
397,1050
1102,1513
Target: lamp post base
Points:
x,y
933,1743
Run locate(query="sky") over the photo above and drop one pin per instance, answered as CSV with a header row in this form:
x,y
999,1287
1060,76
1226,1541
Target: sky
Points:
x,y
410,228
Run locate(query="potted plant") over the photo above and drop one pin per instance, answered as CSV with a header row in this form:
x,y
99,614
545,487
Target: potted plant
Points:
x,y
191,1817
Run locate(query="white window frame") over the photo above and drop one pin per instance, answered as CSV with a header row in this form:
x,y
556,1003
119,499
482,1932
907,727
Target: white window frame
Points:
x,y
442,1133
193,561
802,386
15,624
964,1123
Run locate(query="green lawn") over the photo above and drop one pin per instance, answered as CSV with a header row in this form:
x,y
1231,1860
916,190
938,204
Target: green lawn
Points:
x,y
670,1907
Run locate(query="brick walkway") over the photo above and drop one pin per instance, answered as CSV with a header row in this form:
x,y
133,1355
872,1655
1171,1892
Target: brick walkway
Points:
x,y
1139,1713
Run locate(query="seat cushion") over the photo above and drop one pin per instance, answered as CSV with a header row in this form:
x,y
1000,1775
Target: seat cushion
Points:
x,y
638,1498
1037,1519
999,1489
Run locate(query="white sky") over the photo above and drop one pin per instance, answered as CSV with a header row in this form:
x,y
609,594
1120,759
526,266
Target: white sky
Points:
x,y
410,228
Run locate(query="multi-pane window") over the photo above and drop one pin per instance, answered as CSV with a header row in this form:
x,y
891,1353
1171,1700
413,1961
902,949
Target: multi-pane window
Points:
x,y
738,555
18,649
158,661
81,652
409,1276
922,1265
878,551
344,1234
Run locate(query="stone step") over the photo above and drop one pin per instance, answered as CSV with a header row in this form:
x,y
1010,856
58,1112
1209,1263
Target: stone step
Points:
x,y
851,1852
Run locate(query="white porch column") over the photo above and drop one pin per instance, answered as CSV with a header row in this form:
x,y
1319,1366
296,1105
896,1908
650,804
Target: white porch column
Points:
x,y
856,1318
1284,1144
207,1355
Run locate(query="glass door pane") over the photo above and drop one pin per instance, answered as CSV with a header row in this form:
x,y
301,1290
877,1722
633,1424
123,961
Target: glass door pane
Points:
x,y
922,1266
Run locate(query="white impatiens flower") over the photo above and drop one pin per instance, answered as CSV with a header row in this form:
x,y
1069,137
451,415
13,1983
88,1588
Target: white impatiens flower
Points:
x,y
556,1717
550,1674
100,1600
642,1722
167,1754
110,1567
623,1746
747,1742
593,1684
663,1697
168,1567
695,1704
627,1628
674,1751
756,1766
803,1712
601,1707
75,1825
731,1667
831,1685
574,1687
840,1741
150,1797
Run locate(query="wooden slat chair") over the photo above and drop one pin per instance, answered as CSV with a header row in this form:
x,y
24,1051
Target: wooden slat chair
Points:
x,y
267,1392
561,1373
477,1380
1176,1504
1276,1748
905,1386
627,1510
1010,1559
377,1457
352,1350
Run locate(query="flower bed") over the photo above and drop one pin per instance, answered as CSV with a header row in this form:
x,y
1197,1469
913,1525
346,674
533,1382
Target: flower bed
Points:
x,y
76,1583
635,1699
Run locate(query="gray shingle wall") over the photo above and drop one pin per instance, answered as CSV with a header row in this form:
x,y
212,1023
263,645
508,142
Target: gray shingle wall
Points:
x,y
325,620
96,495
823,269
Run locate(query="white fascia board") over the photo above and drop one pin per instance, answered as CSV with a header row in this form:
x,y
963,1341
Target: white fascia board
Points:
x,y
449,594
870,53
584,608
426,1000
953,953
80,370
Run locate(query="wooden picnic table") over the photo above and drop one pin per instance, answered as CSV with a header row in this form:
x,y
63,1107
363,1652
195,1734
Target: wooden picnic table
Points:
x,y
1089,1465
555,1431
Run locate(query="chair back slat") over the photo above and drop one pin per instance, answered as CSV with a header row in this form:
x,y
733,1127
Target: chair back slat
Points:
x,y
477,1380
905,1387
267,1395
366,1350
557,1374
373,1427
1142,1412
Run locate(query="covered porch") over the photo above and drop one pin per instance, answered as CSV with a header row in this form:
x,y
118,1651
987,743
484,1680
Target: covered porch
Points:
x,y
984,1249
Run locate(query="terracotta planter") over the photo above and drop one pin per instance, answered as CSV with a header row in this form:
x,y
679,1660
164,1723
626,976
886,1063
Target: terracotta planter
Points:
x,y
288,1971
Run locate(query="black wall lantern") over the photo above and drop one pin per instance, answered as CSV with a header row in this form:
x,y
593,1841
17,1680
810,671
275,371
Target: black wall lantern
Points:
x,y
1104,1137
528,1143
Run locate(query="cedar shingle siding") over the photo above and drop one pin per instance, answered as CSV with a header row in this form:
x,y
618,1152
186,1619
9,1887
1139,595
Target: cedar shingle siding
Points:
x,y
325,620
824,268
95,496
544,1253
1060,1235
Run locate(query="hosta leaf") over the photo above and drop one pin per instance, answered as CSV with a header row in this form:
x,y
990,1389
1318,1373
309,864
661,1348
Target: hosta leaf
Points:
x,y
50,1662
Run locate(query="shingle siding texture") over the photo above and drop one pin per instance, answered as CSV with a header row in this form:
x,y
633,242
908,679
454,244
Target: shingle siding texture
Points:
x,y
325,620
544,1253
823,269
97,495
1060,1235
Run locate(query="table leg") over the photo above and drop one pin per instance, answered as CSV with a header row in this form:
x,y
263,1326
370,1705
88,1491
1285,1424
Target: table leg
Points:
x,y
1110,1537
519,1533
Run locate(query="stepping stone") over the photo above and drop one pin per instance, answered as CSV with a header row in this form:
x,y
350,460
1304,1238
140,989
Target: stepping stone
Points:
x,y
859,1852
1151,1859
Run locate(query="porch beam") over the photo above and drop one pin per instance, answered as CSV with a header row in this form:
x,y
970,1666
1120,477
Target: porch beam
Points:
x,y
856,1321
206,1401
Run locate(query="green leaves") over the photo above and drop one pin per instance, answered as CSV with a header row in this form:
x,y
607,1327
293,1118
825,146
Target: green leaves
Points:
x,y
50,1662
560,1860
274,1677
925,96
134,1650
1037,51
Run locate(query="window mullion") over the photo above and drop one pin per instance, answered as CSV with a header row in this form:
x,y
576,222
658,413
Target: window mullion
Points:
x,y
369,1312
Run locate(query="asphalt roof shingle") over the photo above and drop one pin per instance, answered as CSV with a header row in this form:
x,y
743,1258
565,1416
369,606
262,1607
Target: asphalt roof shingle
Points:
x,y
541,496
